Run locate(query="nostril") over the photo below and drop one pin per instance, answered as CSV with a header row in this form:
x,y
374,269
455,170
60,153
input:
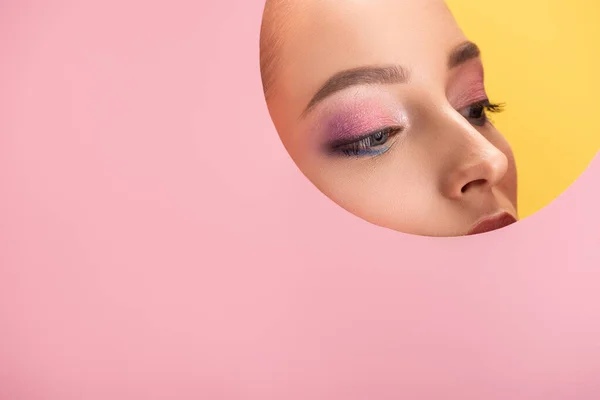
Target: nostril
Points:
x,y
475,183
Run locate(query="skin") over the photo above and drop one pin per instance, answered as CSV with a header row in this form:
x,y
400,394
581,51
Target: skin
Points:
x,y
441,171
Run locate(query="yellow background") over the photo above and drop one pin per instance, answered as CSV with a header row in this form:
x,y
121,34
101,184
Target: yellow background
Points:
x,y
542,58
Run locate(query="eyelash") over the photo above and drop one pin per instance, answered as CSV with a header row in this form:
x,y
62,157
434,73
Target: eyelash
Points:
x,y
364,146
483,107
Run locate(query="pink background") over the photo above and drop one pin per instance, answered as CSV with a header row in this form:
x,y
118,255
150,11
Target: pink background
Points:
x,y
156,241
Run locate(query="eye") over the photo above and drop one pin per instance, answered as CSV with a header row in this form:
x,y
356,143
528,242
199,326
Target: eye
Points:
x,y
369,145
477,113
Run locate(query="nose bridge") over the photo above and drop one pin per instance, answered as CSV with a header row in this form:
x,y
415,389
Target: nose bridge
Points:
x,y
471,160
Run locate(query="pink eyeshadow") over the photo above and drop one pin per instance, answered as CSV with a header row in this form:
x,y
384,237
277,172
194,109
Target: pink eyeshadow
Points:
x,y
357,121
469,88
475,92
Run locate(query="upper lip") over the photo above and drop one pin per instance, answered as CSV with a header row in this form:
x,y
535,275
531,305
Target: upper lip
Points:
x,y
492,222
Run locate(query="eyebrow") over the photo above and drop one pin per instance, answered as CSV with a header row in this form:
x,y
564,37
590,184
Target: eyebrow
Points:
x,y
371,75
384,75
463,53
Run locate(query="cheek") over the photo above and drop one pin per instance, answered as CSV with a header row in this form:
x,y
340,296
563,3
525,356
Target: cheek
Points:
x,y
390,191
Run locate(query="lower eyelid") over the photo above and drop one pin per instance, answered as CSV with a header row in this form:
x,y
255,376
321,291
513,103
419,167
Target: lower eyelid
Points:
x,y
381,151
369,152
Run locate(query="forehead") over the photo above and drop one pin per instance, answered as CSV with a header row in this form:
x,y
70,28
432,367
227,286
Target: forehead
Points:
x,y
327,36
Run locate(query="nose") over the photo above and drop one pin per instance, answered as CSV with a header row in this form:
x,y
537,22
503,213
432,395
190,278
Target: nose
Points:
x,y
474,165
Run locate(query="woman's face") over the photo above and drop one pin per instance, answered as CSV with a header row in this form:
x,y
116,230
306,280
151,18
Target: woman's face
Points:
x,y
382,105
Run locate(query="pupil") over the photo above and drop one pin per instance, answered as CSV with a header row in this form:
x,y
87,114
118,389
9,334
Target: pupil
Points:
x,y
477,112
378,136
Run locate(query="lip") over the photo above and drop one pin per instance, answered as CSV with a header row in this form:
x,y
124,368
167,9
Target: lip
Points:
x,y
491,223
